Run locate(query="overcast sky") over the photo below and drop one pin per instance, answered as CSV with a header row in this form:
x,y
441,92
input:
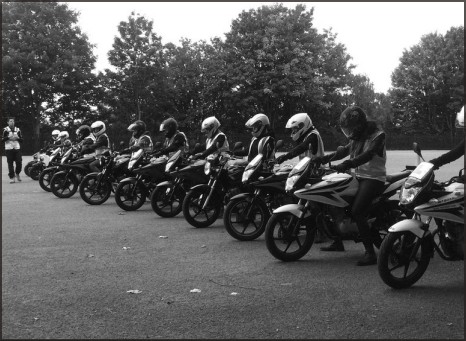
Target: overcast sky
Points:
x,y
375,34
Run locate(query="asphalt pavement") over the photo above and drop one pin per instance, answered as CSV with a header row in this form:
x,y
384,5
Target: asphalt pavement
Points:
x,y
68,270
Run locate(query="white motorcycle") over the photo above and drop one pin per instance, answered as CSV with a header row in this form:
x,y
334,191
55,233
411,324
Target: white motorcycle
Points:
x,y
325,205
406,251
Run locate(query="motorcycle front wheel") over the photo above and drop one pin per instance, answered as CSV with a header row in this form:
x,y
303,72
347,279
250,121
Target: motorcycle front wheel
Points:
x,y
167,201
44,179
93,191
193,211
64,185
34,171
287,238
403,259
28,167
245,220
130,196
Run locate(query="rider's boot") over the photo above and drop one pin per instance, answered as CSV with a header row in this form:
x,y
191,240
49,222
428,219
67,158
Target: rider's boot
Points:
x,y
370,257
337,245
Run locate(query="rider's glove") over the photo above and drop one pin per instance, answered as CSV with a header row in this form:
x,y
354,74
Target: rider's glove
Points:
x,y
342,167
280,159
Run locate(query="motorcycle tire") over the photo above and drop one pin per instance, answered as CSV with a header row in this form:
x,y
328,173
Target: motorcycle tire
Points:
x,y
64,185
192,208
239,226
28,166
400,251
44,179
34,172
130,196
93,192
167,206
286,241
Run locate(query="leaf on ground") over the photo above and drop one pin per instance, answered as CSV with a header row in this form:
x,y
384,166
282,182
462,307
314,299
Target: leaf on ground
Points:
x,y
90,255
449,324
196,290
234,294
163,237
126,248
134,291
121,213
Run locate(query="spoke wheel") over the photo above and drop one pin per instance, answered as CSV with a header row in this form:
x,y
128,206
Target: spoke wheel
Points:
x,y
193,211
286,238
403,259
44,179
167,201
93,191
245,220
130,196
63,185
34,172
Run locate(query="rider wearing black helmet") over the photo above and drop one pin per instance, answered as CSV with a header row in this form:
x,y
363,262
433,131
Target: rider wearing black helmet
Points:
x,y
174,139
85,138
367,153
140,138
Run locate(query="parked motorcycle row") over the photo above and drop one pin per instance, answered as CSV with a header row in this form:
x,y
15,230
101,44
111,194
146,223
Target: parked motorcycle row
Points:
x,y
287,204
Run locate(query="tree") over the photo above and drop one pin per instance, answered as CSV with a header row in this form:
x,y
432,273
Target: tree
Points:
x,y
428,85
47,65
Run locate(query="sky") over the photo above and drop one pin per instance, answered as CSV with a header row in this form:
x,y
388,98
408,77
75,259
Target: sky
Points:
x,y
375,33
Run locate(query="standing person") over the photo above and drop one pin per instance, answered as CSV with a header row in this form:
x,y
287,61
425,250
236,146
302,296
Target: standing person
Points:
x,y
216,141
12,137
174,139
263,140
368,156
306,136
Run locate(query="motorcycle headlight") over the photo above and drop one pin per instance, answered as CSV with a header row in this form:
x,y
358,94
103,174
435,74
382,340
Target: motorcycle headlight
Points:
x,y
207,168
42,158
408,195
291,181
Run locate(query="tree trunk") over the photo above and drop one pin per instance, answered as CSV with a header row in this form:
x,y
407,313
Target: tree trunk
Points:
x,y
36,130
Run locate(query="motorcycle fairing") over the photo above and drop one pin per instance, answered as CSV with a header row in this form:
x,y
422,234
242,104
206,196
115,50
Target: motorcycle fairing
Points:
x,y
411,225
448,207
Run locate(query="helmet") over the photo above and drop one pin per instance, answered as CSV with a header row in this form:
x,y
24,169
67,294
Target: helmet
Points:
x,y
138,128
353,122
209,125
55,134
257,123
298,124
63,135
98,128
83,131
169,126
459,122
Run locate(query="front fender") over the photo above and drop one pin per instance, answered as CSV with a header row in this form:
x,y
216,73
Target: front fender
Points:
x,y
131,179
165,184
247,196
200,186
411,225
295,209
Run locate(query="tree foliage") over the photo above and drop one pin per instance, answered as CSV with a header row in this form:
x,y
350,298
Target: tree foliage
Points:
x,y
47,64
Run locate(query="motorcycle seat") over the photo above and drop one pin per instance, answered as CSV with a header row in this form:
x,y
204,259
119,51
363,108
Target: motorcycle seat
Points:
x,y
83,160
391,178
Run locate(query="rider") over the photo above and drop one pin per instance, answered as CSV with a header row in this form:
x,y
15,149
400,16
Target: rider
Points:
x,y
306,136
174,139
140,138
457,151
101,144
85,138
263,139
367,153
63,140
54,142
216,141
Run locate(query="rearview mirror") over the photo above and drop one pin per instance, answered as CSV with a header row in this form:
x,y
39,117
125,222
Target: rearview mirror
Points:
x,y
122,144
417,150
279,144
238,145
197,148
158,145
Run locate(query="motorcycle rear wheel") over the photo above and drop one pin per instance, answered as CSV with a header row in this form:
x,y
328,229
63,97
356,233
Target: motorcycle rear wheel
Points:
x,y
64,185
44,179
169,204
401,252
238,225
94,192
285,240
130,196
192,208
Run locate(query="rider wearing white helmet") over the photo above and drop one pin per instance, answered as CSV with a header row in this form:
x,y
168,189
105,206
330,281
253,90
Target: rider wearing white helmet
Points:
x,y
64,140
101,144
263,139
457,151
216,141
306,136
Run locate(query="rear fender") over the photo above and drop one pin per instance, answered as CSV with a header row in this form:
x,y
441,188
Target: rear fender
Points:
x,y
412,225
295,209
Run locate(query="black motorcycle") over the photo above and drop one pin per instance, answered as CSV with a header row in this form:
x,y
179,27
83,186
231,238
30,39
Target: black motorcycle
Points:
x,y
95,188
65,182
132,192
203,203
46,175
167,197
37,165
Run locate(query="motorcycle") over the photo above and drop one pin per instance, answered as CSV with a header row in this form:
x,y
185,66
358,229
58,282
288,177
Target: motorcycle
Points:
x,y
95,188
46,175
66,180
167,197
207,200
247,213
407,249
37,165
131,192
325,205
